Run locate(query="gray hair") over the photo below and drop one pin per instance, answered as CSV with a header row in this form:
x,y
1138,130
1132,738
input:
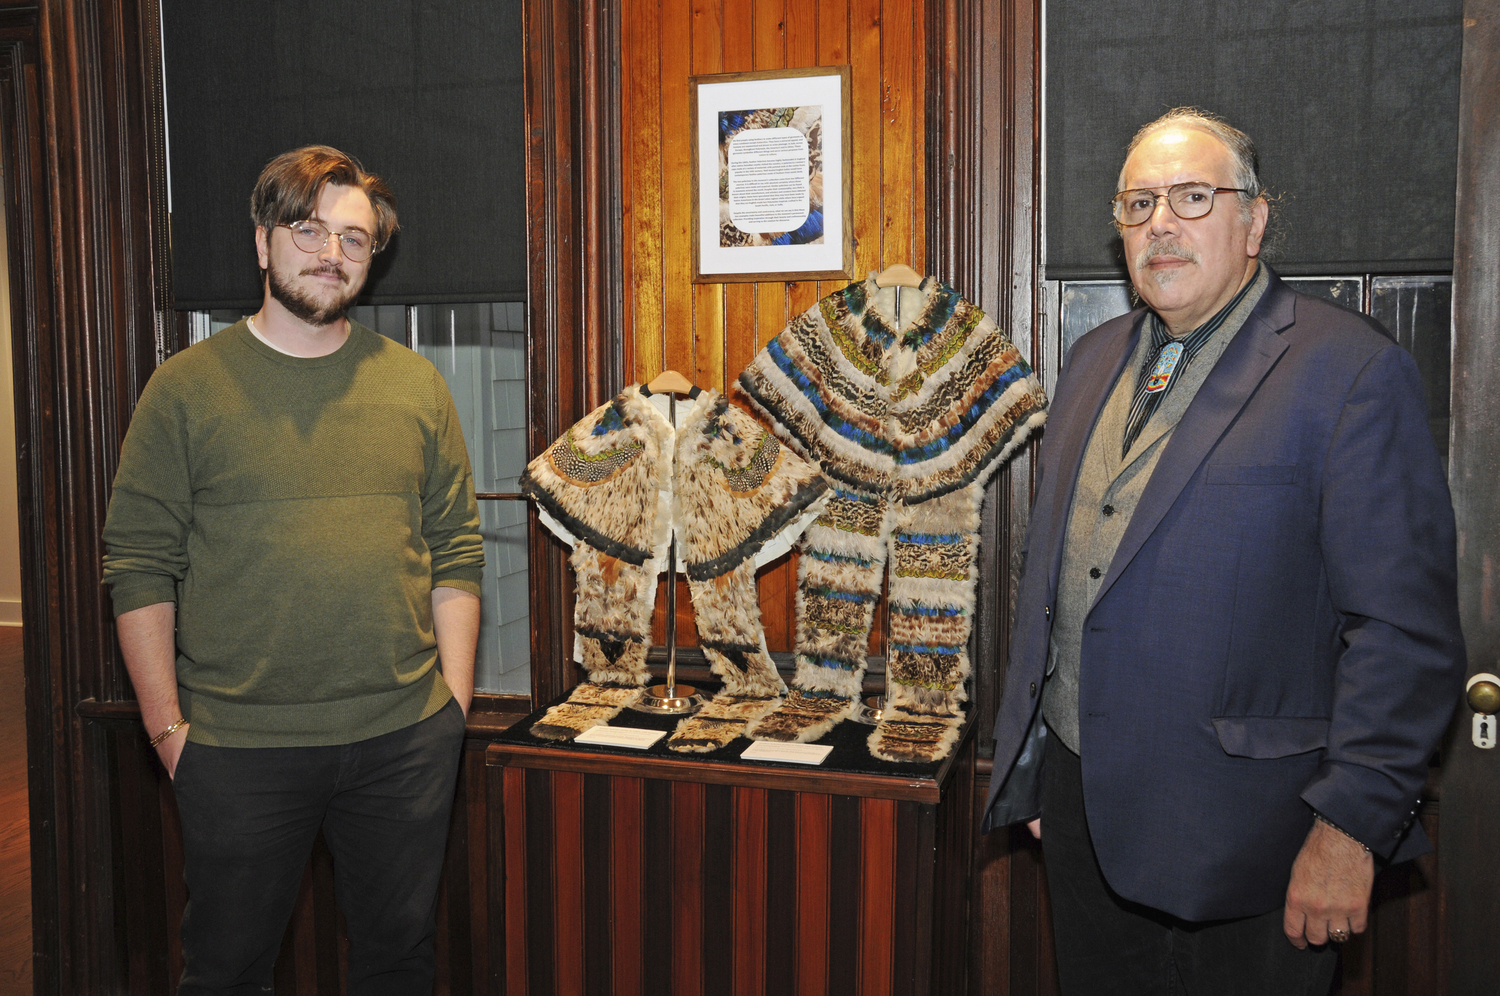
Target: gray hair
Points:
x,y
1242,152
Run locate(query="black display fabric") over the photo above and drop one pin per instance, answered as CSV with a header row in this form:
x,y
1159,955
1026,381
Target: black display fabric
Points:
x,y
1353,105
849,740
425,93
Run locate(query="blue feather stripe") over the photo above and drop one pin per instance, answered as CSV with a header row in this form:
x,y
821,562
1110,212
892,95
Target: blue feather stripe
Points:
x,y
833,420
837,558
930,539
841,596
922,648
976,411
930,611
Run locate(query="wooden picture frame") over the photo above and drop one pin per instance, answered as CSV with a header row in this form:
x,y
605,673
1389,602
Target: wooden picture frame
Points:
x,y
754,219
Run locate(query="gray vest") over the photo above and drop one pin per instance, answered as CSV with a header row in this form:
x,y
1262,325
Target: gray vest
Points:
x,y
1105,498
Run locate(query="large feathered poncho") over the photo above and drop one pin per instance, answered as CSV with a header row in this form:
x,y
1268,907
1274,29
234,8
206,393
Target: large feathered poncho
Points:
x,y
907,399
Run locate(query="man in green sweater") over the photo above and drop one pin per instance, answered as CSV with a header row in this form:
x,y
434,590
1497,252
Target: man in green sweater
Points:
x,y
294,556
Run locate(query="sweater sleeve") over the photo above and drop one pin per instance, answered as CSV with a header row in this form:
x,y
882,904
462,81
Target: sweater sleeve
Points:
x,y
150,510
450,513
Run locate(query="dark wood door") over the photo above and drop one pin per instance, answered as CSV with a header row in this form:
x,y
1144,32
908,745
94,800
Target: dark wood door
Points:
x,y
1470,839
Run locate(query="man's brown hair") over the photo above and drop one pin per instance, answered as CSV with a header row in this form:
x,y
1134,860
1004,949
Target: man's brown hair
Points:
x,y
290,185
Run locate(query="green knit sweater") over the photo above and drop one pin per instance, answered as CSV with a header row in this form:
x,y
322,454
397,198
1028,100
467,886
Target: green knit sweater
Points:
x,y
299,512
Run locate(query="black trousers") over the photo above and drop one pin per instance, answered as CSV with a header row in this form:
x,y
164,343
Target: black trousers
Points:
x,y
249,818
1108,945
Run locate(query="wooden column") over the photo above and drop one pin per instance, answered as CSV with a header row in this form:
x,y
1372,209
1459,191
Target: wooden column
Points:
x,y
574,289
84,185
983,192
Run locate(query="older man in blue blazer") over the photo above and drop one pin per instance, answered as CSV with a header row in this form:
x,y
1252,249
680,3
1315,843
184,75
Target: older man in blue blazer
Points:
x,y
1236,640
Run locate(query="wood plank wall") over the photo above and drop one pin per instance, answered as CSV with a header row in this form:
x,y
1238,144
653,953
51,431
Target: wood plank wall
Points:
x,y
710,332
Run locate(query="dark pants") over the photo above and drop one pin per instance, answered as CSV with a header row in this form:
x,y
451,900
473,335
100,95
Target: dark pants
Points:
x,y
249,818
1108,945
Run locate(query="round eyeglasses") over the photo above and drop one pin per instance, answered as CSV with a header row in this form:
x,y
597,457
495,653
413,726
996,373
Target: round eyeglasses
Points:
x,y
312,236
1187,201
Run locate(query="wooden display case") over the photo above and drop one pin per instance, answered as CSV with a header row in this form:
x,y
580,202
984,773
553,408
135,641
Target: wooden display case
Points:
x,y
632,873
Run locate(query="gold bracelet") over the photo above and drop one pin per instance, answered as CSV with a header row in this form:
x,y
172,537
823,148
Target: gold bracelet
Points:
x,y
164,734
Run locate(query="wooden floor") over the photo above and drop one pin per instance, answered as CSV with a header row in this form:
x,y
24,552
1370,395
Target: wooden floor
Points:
x,y
15,839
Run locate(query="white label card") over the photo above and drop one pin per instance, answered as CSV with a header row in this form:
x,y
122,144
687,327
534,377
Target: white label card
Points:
x,y
766,750
620,736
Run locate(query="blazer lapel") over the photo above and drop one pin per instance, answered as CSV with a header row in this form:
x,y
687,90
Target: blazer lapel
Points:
x,y
1089,391
1240,370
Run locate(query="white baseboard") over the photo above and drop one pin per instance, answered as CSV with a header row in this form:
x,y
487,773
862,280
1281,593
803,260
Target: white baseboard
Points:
x,y
10,612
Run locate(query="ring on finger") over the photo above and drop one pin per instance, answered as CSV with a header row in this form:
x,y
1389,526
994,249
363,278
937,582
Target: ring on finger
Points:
x,y
1338,934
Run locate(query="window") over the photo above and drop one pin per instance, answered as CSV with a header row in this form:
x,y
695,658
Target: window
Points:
x,y
1415,309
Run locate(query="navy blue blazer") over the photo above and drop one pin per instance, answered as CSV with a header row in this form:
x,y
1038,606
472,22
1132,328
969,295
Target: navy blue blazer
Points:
x,y
1278,631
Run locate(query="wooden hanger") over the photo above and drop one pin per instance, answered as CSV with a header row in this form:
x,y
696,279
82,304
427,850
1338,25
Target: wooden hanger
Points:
x,y
898,275
670,382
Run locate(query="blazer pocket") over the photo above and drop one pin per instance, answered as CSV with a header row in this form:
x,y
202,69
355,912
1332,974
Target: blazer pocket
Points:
x,y
1271,736
1270,473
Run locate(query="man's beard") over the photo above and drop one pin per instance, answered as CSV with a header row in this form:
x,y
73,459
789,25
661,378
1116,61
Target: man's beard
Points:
x,y
303,306
1163,247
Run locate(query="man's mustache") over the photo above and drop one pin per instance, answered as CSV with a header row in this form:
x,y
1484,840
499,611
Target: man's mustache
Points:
x,y
316,271
1165,247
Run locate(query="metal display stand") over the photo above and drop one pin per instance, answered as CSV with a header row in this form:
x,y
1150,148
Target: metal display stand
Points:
x,y
671,698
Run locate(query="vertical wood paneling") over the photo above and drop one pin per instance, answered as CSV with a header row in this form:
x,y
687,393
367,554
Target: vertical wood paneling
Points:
x,y
541,900
866,84
915,892
801,20
813,827
833,50
677,185
598,885
708,299
662,915
877,907
768,27
640,117
685,867
898,140
780,915
990,930
845,880
567,899
626,834
744,890
719,896
778,604
473,863
711,332
739,299
749,891
515,881
914,113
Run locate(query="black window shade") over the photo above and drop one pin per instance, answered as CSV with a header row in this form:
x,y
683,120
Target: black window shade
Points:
x,y
1352,105
425,93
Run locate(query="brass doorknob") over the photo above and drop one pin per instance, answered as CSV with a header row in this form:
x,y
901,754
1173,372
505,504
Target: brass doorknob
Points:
x,y
1484,693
